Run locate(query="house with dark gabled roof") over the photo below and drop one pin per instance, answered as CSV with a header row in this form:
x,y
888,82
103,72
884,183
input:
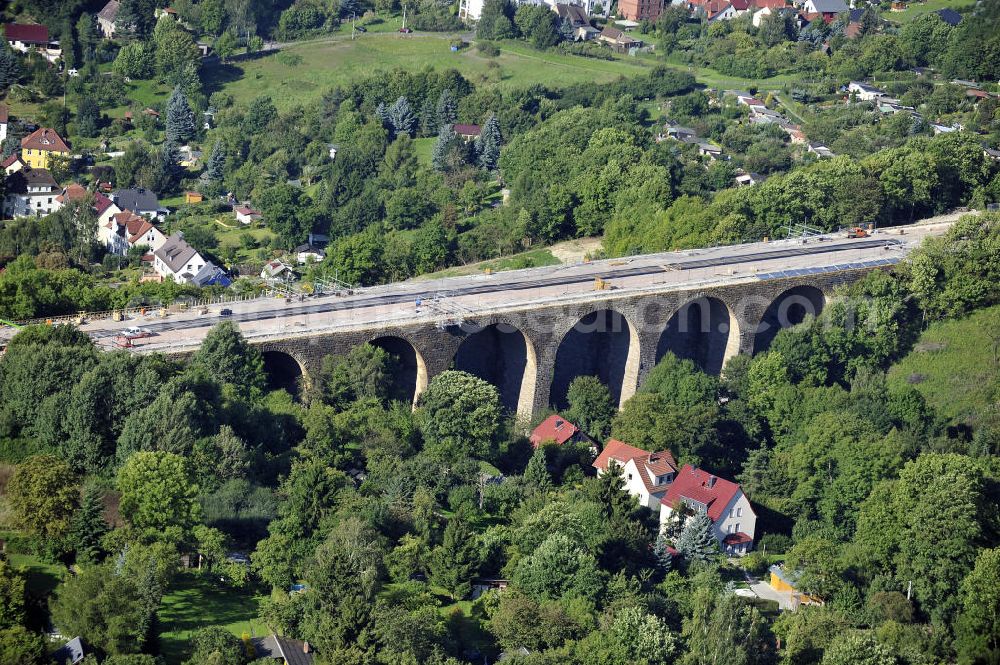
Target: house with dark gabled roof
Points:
x,y
949,16
70,653
828,9
617,40
139,200
697,491
467,132
31,193
578,20
178,261
647,475
107,17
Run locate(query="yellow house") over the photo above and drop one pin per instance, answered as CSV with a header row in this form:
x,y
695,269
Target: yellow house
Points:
x,y
40,145
193,197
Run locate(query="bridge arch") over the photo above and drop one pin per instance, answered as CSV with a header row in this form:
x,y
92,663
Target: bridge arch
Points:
x,y
502,354
602,343
703,330
284,371
411,379
789,308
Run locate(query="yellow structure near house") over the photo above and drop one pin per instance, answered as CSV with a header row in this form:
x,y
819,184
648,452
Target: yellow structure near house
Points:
x,y
193,197
782,580
38,147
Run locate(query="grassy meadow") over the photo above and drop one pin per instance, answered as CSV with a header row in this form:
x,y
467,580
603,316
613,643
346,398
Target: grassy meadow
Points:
x,y
956,365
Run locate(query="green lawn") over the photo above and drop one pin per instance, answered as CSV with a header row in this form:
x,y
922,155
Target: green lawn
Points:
x,y
197,601
42,577
323,64
423,149
954,365
915,9
714,79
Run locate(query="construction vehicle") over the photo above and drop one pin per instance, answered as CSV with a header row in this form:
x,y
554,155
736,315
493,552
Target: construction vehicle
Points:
x,y
857,232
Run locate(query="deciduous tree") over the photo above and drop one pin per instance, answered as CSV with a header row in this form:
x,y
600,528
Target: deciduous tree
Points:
x,y
157,495
42,495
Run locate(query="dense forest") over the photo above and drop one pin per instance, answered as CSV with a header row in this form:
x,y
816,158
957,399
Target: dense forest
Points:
x,y
387,515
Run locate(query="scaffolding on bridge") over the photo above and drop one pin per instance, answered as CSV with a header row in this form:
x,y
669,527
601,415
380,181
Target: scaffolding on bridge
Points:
x,y
455,313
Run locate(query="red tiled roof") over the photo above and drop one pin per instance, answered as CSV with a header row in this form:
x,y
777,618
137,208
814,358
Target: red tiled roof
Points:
x,y
770,4
698,485
740,5
10,160
245,210
554,428
101,203
137,229
27,33
619,451
737,538
74,192
467,130
4,113
649,464
44,138
128,219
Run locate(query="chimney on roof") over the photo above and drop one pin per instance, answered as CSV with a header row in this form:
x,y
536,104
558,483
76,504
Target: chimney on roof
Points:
x,y
710,482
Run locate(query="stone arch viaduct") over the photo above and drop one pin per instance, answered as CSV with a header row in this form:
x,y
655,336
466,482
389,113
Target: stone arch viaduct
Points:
x,y
531,352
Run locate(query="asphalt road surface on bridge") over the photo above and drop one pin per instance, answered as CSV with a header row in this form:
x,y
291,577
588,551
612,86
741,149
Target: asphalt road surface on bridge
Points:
x,y
445,298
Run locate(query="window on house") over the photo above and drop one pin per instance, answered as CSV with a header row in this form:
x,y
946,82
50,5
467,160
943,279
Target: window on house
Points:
x,y
737,526
730,512
739,512
729,529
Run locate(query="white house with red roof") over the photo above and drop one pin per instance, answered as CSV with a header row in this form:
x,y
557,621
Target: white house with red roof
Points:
x,y
25,37
12,164
246,215
733,519
647,475
4,118
126,229
556,429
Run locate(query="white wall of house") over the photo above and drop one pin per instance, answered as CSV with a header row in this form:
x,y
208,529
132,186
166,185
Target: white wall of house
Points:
x,y
737,517
193,266
635,486
153,239
35,203
470,10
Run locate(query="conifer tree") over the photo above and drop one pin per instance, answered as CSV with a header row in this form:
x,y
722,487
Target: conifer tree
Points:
x,y
489,143
428,117
696,542
536,473
216,162
382,113
88,527
454,562
447,109
402,118
664,558
443,155
10,67
180,117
